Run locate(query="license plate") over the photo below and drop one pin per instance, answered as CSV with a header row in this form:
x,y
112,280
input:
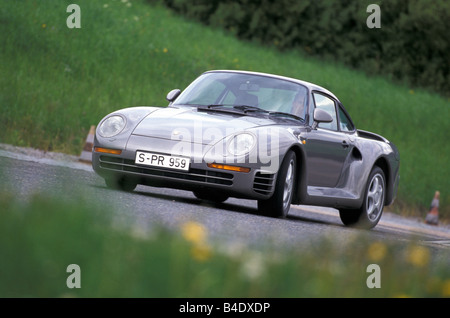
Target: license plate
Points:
x,y
163,161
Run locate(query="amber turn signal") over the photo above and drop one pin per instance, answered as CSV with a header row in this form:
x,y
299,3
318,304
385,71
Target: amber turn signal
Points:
x,y
227,167
106,150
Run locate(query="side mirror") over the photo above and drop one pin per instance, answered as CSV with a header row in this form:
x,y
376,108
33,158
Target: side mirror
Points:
x,y
321,116
173,94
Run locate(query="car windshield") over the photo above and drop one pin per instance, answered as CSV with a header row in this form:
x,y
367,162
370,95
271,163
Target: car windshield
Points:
x,y
246,92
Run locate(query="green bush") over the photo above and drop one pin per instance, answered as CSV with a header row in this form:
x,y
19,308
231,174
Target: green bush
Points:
x,y
411,46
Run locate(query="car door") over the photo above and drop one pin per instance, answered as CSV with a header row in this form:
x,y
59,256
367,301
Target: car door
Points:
x,y
327,147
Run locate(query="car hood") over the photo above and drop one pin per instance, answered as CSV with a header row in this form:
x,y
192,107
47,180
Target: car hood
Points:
x,y
188,124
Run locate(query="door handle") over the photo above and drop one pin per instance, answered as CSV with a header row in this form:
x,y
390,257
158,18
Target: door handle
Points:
x,y
345,144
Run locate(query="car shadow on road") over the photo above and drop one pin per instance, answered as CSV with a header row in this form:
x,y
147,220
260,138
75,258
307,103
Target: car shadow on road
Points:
x,y
227,206
305,219
231,207
203,203
181,198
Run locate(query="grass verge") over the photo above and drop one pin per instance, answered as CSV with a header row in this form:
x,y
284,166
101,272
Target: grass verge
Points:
x,y
40,238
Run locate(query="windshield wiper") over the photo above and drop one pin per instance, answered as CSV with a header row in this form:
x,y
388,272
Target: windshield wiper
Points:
x,y
216,108
215,105
287,115
247,108
244,108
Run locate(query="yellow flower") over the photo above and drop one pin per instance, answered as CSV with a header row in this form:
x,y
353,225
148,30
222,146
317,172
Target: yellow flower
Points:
x,y
194,232
418,256
201,252
44,25
165,50
401,296
446,288
376,251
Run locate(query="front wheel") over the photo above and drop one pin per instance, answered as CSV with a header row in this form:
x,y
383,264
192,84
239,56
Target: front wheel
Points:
x,y
374,196
280,202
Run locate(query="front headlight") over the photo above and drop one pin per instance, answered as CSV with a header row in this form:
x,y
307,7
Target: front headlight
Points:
x,y
111,126
241,144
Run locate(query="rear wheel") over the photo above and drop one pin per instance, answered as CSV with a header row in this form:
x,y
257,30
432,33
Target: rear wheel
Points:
x,y
370,212
280,202
209,195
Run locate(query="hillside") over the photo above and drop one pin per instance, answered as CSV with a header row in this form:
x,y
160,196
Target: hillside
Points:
x,y
57,81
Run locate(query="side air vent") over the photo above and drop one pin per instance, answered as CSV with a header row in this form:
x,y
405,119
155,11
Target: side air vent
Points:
x,y
263,183
356,154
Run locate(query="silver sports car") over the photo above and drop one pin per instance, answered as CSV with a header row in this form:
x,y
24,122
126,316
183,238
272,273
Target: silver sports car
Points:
x,y
274,139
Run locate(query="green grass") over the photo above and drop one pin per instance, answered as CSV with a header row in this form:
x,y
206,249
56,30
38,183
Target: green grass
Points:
x,y
57,82
41,237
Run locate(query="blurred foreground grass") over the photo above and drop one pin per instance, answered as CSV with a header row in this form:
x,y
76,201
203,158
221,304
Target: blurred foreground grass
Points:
x,y
56,82
40,238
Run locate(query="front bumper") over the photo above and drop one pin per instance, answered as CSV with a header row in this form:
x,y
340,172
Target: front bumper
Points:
x,y
255,184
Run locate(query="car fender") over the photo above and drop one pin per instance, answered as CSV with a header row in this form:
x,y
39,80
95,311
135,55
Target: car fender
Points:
x,y
133,116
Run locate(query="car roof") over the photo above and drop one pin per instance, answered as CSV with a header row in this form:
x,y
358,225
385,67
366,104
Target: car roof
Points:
x,y
310,86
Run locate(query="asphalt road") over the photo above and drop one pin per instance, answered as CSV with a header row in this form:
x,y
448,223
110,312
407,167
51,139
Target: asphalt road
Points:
x,y
237,220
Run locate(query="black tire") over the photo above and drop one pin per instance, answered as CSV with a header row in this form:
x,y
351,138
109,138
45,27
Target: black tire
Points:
x,y
280,202
121,183
209,195
370,212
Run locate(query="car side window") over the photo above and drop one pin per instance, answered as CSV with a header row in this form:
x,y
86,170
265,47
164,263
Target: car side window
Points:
x,y
345,124
328,105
